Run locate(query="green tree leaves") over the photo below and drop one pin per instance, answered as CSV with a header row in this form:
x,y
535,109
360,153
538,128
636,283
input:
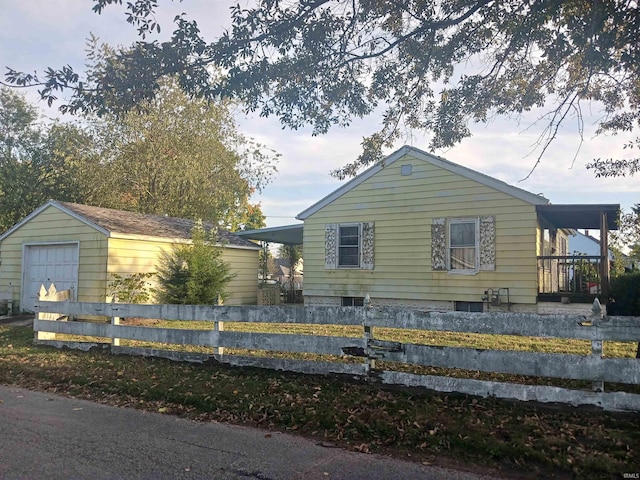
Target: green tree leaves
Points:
x,y
434,66
38,163
172,156
133,288
182,157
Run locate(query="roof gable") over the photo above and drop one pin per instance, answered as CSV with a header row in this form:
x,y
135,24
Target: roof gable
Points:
x,y
418,154
41,209
109,221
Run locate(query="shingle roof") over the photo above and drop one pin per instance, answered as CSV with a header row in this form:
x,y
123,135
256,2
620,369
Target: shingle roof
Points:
x,y
133,223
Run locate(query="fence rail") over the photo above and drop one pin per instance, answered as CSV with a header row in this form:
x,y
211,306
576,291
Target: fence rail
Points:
x,y
367,350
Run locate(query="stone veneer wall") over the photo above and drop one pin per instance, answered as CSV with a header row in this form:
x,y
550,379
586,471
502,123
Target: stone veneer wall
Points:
x,y
558,308
545,308
317,301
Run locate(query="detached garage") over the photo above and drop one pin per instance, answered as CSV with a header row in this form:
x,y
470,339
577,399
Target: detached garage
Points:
x,y
80,247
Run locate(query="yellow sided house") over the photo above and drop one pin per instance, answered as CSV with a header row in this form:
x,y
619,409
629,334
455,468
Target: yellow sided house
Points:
x,y
420,231
80,247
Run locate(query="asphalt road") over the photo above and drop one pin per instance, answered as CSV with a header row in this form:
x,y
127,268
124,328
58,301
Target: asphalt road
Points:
x,y
44,436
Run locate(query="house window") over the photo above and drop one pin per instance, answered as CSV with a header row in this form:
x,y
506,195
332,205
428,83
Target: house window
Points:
x,y
349,245
352,301
476,307
564,246
463,244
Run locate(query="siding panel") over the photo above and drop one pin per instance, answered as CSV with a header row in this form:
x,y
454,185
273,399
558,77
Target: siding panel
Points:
x,y
51,226
402,209
128,256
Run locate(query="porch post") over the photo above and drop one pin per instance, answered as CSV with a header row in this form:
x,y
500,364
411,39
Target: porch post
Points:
x,y
604,259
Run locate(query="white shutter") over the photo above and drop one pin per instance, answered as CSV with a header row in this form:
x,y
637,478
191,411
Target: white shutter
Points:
x,y
366,245
330,246
438,244
487,243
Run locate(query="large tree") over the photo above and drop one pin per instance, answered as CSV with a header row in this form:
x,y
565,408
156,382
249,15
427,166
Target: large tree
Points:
x,y
37,161
628,235
19,141
173,155
432,65
181,157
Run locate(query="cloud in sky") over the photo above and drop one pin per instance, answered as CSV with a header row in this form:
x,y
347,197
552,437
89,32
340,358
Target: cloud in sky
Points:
x,y
35,34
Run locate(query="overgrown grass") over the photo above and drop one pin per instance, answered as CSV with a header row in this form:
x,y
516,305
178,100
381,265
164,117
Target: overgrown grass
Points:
x,y
538,441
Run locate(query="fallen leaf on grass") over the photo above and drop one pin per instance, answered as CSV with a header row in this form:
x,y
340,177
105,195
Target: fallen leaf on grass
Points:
x,y
363,448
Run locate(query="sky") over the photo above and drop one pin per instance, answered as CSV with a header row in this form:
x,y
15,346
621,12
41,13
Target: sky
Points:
x,y
35,34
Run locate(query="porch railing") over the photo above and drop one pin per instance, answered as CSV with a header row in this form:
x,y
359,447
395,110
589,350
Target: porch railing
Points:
x,y
571,275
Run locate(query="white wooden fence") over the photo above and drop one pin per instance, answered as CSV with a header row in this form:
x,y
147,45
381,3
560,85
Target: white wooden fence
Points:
x,y
594,368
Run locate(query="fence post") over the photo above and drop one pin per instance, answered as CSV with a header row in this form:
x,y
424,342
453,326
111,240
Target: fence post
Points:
x,y
115,341
368,334
43,295
10,301
218,327
596,345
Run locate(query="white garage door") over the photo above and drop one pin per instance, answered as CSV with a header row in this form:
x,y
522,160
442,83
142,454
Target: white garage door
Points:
x,y
47,264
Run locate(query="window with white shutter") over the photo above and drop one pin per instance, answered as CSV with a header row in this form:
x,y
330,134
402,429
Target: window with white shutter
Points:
x,y
463,245
349,245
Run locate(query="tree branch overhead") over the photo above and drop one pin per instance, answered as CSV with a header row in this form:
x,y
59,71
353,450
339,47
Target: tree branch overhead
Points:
x,y
324,63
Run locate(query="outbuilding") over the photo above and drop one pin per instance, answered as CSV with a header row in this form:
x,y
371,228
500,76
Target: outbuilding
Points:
x,y
80,247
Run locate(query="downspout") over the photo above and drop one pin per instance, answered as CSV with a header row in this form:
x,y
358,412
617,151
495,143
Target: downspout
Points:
x,y
604,259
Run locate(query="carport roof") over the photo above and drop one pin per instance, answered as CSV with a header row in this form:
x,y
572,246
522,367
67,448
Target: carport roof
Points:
x,y
287,234
580,215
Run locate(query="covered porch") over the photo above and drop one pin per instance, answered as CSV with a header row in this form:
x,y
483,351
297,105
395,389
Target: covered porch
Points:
x,y
569,276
